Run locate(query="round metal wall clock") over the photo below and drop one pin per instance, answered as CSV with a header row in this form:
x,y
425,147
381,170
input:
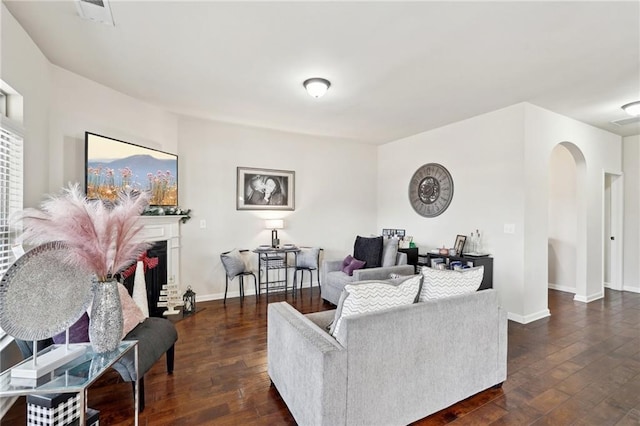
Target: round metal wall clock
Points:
x,y
431,190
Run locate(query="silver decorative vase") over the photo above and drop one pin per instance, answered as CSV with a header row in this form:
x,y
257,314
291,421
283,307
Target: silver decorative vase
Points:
x,y
105,326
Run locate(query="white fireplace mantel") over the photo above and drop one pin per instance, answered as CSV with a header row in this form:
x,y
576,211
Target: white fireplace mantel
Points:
x,y
165,228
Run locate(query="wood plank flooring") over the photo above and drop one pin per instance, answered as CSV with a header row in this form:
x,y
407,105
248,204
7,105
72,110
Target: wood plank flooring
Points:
x,y
581,366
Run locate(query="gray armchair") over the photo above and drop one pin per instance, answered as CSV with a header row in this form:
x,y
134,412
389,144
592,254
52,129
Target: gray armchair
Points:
x,y
334,280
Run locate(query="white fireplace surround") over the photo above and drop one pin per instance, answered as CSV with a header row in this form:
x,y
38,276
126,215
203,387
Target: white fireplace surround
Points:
x,y
165,228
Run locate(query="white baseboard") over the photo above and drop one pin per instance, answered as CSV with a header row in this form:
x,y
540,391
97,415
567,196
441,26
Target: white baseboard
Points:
x,y
526,319
563,288
589,298
632,289
248,291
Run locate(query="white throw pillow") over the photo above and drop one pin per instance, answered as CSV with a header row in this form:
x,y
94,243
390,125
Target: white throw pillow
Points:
x,y
308,258
371,296
442,283
233,263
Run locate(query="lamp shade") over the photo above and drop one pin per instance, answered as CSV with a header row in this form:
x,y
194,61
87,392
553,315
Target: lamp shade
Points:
x,y
316,87
633,108
274,224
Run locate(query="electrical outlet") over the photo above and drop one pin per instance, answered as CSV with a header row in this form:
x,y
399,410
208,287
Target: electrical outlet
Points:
x,y
509,228
203,223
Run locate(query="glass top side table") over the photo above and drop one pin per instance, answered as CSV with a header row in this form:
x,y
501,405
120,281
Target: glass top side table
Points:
x,y
73,377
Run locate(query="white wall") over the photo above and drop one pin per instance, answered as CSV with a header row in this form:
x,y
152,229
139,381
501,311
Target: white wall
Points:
x,y
562,220
335,195
499,162
601,152
500,165
631,167
79,105
26,69
335,180
484,155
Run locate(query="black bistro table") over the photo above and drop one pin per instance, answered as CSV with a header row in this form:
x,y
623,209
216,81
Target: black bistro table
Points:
x,y
274,259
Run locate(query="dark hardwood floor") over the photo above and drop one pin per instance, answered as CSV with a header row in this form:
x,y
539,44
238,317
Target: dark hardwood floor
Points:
x,y
581,366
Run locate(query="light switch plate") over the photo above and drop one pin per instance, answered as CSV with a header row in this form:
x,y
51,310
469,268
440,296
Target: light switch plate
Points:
x,y
509,228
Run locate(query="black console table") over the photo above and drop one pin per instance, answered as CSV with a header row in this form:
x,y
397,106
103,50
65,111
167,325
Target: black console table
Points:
x,y
412,256
486,261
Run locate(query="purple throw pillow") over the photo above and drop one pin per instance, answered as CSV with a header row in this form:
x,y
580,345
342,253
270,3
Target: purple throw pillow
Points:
x,y
355,264
347,260
78,332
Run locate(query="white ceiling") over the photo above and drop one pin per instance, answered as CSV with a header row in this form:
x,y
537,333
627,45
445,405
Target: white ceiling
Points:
x,y
397,68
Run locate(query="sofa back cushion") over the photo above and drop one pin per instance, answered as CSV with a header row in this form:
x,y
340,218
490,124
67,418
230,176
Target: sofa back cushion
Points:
x,y
371,296
442,283
389,252
369,250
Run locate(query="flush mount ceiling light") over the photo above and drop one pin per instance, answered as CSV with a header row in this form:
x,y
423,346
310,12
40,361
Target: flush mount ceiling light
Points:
x,y
633,108
317,87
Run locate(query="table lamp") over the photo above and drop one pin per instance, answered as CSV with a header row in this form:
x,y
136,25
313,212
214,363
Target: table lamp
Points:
x,y
274,225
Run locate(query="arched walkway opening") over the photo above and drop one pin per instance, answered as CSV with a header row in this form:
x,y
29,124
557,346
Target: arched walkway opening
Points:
x,y
567,231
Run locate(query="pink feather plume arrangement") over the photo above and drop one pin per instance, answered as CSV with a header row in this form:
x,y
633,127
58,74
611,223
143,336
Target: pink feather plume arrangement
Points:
x,y
102,239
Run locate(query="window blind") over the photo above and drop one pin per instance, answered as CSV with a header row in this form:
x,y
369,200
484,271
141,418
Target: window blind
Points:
x,y
11,161
10,191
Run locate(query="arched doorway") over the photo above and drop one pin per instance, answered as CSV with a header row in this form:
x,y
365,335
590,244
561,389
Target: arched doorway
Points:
x,y
567,233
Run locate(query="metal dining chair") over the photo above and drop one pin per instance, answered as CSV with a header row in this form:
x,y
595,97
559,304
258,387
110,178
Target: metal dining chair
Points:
x,y
308,259
234,266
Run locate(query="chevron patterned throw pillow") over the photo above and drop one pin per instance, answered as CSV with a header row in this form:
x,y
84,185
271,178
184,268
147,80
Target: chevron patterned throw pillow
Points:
x,y
441,283
370,296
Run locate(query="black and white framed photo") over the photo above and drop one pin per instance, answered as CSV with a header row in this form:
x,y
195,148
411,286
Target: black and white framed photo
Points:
x,y
459,245
265,189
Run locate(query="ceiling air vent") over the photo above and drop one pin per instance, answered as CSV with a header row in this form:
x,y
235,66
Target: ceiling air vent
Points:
x,y
626,121
95,10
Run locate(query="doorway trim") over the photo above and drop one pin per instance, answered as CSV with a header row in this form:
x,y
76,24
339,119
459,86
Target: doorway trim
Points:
x,y
617,219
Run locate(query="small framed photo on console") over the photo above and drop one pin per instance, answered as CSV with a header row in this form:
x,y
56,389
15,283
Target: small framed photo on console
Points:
x,y
459,245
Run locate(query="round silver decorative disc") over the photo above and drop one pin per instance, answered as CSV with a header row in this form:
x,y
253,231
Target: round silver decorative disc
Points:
x,y
41,295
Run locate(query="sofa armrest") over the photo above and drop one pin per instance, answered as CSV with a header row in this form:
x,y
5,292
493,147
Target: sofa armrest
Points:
x,y
307,366
329,266
382,273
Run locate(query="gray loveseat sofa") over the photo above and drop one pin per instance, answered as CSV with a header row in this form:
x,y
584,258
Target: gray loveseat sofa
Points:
x,y
396,366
